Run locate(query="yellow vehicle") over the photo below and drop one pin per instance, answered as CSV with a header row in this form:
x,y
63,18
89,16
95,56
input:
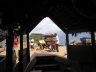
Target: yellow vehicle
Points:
x,y
43,43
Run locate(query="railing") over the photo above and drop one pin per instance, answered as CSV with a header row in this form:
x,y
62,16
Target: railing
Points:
x,y
30,65
14,61
3,64
25,60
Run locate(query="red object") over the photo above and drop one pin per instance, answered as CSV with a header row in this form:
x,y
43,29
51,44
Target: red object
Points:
x,y
50,35
15,40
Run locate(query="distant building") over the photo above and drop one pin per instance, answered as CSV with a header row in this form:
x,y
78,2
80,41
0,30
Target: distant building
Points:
x,y
83,41
86,41
36,36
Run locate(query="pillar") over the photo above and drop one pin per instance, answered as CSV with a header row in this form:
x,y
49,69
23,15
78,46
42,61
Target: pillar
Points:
x,y
9,50
21,53
93,45
67,43
28,49
93,38
9,21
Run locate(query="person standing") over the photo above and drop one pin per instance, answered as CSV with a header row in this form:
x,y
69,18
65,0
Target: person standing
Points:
x,y
15,41
32,44
57,42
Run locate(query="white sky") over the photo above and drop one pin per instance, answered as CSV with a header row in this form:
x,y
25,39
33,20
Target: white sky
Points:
x,y
46,26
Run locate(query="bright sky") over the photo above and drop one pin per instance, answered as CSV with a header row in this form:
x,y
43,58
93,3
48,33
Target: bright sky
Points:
x,y
46,26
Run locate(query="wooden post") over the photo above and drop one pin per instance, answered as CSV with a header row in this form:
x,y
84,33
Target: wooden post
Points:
x,y
93,38
21,53
93,45
67,39
9,21
28,49
67,43
9,50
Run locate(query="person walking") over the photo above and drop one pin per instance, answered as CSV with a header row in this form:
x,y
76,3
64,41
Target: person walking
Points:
x,y
40,45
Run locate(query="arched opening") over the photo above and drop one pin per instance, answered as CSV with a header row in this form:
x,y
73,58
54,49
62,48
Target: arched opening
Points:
x,y
44,33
